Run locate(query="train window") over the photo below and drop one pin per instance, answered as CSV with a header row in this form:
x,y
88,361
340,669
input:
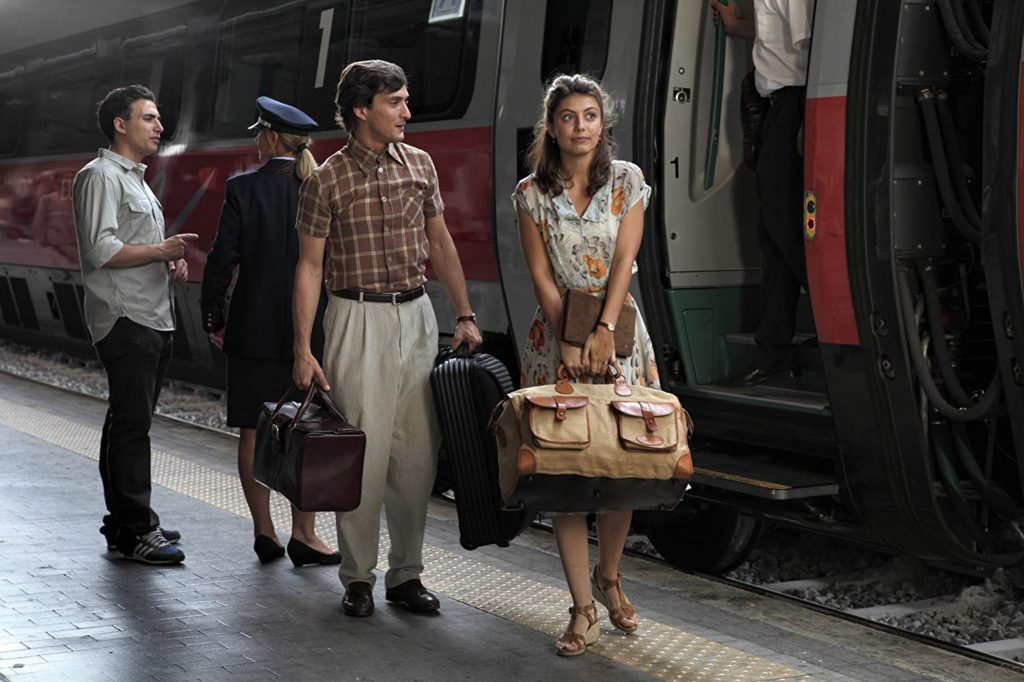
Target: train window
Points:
x,y
257,54
576,38
64,92
156,60
12,103
439,58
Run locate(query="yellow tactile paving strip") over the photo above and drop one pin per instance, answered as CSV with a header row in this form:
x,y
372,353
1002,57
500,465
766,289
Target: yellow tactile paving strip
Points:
x,y
660,650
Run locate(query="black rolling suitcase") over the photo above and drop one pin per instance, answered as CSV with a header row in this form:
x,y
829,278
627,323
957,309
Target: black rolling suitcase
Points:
x,y
466,389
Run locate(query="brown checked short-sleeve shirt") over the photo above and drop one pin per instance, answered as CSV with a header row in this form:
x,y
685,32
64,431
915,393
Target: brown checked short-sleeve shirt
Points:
x,y
371,207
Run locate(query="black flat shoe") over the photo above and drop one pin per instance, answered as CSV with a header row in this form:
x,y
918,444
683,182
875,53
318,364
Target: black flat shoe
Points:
x,y
302,554
266,549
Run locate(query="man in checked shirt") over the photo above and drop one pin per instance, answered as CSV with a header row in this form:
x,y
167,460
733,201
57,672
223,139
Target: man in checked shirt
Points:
x,y
374,208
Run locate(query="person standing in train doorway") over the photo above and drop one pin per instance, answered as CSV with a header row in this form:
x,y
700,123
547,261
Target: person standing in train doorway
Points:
x,y
781,31
256,237
374,210
128,270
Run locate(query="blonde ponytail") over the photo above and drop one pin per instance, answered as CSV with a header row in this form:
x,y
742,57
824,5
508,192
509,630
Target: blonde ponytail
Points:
x,y
305,162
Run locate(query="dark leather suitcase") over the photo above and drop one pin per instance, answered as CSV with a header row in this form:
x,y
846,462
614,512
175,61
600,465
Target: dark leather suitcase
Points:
x,y
466,389
310,453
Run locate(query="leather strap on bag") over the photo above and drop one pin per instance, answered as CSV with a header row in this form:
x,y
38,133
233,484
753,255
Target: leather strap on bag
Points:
x,y
314,390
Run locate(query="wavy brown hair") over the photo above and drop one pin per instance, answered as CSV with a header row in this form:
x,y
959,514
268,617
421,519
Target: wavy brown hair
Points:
x,y
544,155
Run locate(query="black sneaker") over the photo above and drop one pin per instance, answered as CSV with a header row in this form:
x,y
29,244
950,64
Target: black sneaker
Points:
x,y
153,548
172,537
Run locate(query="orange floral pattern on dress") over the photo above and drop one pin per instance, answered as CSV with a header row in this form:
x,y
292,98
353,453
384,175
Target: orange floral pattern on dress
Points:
x,y
536,334
542,226
580,249
618,200
596,267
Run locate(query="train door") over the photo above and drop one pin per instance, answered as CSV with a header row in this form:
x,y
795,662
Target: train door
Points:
x,y
706,246
541,39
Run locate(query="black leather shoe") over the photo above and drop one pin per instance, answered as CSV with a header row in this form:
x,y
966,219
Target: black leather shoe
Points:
x,y
757,376
358,600
302,554
413,596
266,549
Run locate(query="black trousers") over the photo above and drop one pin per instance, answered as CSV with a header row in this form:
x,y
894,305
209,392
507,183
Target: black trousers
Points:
x,y
135,358
780,230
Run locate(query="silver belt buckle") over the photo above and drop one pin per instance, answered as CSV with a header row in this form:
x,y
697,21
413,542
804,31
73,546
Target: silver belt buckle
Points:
x,y
394,297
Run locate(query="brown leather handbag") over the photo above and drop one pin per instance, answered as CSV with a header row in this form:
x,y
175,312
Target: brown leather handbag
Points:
x,y
309,452
592,447
580,313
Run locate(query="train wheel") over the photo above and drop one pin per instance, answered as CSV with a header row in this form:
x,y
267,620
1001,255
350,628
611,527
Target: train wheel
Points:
x,y
704,537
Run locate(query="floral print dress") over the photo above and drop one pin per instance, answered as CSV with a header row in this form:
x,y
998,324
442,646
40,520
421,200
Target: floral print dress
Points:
x,y
580,249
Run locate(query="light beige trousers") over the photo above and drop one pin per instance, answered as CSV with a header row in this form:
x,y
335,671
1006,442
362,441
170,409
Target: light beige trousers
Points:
x,y
377,358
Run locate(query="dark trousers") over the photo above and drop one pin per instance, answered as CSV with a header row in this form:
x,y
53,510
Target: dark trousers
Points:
x,y
136,359
780,230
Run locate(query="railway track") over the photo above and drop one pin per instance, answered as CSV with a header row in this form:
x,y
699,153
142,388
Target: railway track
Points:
x,y
979,617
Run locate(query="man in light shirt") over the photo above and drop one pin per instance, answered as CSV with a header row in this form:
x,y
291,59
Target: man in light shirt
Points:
x,y
781,31
127,272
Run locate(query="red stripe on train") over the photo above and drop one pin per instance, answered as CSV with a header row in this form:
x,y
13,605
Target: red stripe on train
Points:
x,y
36,217
827,268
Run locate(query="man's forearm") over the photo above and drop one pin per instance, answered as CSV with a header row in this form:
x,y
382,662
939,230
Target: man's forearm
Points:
x,y
305,303
448,269
133,255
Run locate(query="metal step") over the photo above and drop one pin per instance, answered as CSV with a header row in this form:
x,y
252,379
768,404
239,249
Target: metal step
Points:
x,y
757,476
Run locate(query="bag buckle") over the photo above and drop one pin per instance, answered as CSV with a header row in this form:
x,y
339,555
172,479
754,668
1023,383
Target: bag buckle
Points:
x,y
275,433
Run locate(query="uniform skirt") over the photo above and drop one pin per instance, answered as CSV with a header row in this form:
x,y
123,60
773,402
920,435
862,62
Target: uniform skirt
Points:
x,y
252,382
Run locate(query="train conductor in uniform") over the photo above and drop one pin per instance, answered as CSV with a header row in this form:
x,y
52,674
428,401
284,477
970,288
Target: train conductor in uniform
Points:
x,y
128,269
373,214
256,236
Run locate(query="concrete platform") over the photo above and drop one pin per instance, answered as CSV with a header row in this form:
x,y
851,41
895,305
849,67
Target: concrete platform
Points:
x,y
69,610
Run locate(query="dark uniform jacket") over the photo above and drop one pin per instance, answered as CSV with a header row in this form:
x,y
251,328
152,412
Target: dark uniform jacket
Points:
x,y
257,234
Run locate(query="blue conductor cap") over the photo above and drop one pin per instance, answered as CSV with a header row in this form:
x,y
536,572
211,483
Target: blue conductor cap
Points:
x,y
284,118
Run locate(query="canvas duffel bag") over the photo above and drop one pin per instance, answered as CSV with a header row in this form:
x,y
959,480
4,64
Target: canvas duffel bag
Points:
x,y
575,447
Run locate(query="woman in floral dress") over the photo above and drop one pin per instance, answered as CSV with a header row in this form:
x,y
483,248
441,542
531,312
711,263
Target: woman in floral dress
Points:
x,y
581,219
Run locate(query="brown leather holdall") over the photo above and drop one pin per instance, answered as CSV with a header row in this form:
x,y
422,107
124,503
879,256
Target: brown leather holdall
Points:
x,y
309,452
592,447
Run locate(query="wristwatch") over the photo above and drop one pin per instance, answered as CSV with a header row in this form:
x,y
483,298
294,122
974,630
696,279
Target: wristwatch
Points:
x,y
607,325
466,318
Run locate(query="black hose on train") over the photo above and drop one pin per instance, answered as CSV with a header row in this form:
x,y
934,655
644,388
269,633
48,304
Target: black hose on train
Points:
x,y
980,409
926,98
997,498
955,21
933,312
978,22
956,162
941,445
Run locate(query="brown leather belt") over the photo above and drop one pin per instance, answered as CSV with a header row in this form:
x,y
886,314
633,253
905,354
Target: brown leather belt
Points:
x,y
393,298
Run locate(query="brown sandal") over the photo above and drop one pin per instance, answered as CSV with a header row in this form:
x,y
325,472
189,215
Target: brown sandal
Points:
x,y
573,643
625,611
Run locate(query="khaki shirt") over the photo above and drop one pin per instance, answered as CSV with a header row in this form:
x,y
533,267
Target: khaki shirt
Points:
x,y
114,206
372,209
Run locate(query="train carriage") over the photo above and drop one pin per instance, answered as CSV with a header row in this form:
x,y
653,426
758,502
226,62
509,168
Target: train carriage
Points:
x,y
906,428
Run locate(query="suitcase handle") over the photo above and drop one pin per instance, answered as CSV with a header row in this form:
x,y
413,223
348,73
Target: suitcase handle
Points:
x,y
448,351
314,390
